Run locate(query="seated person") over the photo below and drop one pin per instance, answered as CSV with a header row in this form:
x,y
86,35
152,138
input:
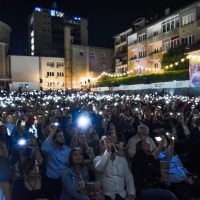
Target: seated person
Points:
x,y
145,168
88,154
118,146
143,132
113,170
23,148
31,186
94,137
181,182
75,177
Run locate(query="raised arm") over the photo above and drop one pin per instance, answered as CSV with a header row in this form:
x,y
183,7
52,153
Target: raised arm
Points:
x,y
46,145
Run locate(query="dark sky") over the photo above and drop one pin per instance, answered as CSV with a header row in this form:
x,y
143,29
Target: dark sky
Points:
x,y
106,18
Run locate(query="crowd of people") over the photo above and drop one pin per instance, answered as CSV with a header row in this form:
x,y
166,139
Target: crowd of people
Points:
x,y
55,144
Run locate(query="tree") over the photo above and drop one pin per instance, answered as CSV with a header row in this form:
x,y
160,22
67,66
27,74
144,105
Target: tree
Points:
x,y
175,55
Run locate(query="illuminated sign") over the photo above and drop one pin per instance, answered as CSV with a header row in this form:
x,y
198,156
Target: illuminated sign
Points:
x,y
38,9
77,18
53,13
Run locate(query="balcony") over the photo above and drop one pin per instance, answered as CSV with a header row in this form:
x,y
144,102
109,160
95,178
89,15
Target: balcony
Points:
x,y
132,47
154,57
163,36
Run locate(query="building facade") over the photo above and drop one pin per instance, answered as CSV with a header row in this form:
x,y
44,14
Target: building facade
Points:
x,y
46,31
44,73
5,74
145,44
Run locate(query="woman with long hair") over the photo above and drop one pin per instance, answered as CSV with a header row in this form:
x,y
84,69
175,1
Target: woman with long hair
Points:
x,y
75,177
31,186
88,154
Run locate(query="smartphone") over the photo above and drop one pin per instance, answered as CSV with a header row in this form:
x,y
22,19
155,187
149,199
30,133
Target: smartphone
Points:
x,y
55,124
158,139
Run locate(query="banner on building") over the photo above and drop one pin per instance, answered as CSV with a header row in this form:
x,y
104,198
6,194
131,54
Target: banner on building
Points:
x,y
194,71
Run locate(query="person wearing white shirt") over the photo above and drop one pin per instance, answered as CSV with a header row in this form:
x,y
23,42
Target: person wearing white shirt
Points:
x,y
143,132
114,172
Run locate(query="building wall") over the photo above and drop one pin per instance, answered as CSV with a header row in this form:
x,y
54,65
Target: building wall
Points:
x,y
89,62
52,77
24,68
156,39
25,86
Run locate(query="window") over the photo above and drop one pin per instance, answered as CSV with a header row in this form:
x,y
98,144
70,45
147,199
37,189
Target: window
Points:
x,y
50,64
175,42
81,53
60,74
166,44
26,86
170,24
155,33
50,73
21,85
156,66
103,55
92,54
142,37
142,53
187,19
188,40
59,64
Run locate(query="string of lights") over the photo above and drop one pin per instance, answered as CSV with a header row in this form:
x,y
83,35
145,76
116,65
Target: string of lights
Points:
x,y
114,75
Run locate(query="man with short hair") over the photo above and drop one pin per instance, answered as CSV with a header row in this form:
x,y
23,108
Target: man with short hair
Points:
x,y
143,132
57,157
113,170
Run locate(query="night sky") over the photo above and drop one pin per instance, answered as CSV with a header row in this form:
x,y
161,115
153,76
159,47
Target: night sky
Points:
x,y
106,18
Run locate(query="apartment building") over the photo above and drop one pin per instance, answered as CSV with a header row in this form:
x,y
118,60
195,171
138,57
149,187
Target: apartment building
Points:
x,y
46,31
148,40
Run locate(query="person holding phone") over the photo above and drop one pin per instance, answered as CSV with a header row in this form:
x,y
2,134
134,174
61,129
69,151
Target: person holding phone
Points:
x,y
114,171
146,172
57,158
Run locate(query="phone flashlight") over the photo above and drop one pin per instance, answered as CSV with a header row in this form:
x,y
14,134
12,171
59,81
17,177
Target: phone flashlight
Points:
x,y
158,139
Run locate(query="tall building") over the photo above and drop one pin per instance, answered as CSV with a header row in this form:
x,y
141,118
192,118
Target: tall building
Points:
x,y
5,74
46,31
140,48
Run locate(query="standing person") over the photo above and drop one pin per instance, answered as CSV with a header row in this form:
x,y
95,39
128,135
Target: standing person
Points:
x,y
114,172
75,177
57,157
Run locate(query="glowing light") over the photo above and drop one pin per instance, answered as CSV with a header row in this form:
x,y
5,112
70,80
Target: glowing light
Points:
x,y
182,60
176,63
22,142
171,65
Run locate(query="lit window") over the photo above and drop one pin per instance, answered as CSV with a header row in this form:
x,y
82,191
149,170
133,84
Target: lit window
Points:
x,y
32,33
92,54
32,41
32,47
32,53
